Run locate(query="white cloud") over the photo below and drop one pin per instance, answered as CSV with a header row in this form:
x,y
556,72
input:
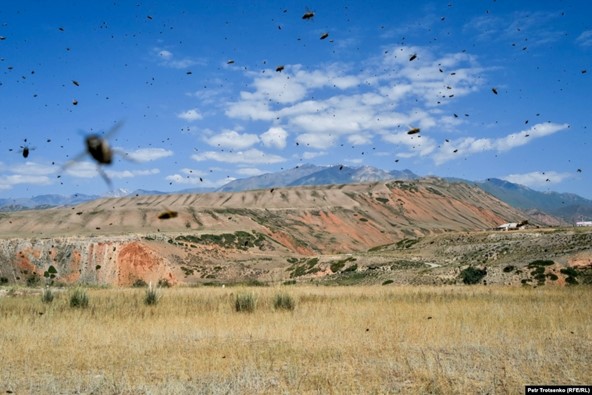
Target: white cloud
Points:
x,y
470,145
131,173
197,181
7,182
82,169
33,168
232,139
190,115
149,154
167,59
249,171
585,39
251,156
308,155
275,137
316,140
538,179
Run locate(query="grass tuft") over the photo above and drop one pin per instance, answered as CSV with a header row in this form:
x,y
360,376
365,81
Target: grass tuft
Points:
x,y
47,296
283,301
152,296
245,302
79,298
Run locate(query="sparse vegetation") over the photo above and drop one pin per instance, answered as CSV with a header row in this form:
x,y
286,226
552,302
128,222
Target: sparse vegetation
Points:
x,y
139,283
387,282
283,301
47,296
152,296
245,302
79,298
495,327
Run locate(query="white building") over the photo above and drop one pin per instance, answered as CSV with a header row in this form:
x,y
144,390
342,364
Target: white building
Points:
x,y
584,223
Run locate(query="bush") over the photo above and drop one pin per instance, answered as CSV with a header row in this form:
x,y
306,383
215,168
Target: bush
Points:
x,y
472,275
284,301
164,283
79,298
152,296
245,302
387,282
47,296
139,283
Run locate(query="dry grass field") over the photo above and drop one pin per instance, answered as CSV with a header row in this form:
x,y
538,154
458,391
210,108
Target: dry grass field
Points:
x,y
380,339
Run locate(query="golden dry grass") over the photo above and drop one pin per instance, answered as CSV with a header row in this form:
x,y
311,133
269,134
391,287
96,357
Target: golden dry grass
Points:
x,y
337,340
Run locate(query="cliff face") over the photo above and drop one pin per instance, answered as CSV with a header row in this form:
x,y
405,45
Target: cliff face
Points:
x,y
113,261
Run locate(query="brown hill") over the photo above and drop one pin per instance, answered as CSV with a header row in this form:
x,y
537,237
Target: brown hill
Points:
x,y
225,236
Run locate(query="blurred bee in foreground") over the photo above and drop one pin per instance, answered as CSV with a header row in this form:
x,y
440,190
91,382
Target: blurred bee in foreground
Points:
x,y
99,149
168,214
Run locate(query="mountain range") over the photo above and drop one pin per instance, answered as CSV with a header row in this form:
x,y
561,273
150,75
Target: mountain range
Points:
x,y
566,206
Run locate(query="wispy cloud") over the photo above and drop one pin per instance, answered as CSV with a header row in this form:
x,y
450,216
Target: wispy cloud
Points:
x,y
27,173
149,154
131,173
167,59
585,39
538,178
251,156
190,115
471,145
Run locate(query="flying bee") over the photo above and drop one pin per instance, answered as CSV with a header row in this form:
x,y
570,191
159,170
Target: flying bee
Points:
x,y
279,69
308,15
99,149
168,214
324,36
413,131
25,150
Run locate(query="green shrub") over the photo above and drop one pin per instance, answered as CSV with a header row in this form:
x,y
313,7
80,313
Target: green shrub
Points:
x,y
47,296
79,298
164,283
139,283
540,262
289,282
569,271
32,280
283,301
152,296
571,280
387,282
337,266
245,302
472,275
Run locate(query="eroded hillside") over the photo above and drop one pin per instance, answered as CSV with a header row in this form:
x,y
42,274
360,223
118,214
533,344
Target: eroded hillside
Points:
x,y
233,235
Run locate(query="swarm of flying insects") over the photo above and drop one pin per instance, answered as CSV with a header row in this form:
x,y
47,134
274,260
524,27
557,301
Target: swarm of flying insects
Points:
x,y
100,151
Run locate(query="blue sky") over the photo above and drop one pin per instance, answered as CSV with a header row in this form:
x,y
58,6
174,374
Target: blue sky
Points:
x,y
196,87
